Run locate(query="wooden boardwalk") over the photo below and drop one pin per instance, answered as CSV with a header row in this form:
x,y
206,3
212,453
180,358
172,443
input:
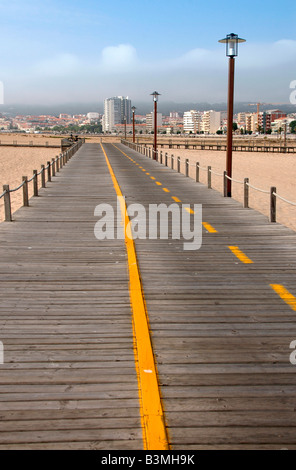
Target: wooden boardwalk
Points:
x,y
221,334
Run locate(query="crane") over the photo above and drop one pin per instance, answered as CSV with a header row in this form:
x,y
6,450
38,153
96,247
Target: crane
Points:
x,y
258,109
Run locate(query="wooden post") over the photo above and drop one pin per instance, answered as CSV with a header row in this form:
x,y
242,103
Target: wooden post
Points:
x,y
61,160
25,192
197,172
161,157
57,163
42,176
225,183
272,204
35,182
178,164
187,167
246,193
53,167
209,177
172,162
7,204
48,172
166,159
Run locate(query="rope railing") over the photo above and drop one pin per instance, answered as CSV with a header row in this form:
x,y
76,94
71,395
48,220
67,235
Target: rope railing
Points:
x,y
52,167
148,152
258,189
283,199
16,189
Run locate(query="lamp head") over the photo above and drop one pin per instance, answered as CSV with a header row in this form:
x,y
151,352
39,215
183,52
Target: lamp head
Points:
x,y
155,95
232,40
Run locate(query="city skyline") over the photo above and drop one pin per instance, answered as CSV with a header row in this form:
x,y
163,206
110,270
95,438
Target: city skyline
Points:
x,y
58,52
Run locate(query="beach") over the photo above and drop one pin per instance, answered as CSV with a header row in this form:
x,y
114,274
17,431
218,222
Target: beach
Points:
x,y
16,162
263,170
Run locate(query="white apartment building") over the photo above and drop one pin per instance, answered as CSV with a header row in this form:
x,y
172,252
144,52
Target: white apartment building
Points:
x,y
192,121
211,121
116,110
92,116
281,125
150,121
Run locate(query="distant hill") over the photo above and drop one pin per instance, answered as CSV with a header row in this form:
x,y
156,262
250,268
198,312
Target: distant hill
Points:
x,y
164,107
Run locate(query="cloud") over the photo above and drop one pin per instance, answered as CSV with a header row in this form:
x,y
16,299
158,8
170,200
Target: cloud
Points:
x,y
118,58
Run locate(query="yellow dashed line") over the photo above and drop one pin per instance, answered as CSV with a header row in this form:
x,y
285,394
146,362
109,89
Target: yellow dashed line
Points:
x,y
152,177
240,255
285,295
159,184
189,210
176,199
209,227
166,190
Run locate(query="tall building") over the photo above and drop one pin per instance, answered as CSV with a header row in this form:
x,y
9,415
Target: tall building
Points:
x,y
211,121
192,121
116,110
150,121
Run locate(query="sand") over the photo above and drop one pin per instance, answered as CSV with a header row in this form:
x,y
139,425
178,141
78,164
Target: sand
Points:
x,y
16,162
263,170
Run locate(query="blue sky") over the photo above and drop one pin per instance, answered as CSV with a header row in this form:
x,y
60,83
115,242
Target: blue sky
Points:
x,y
56,52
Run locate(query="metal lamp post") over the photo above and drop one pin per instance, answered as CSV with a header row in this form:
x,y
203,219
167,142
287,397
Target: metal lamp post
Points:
x,y
231,41
155,95
134,134
124,119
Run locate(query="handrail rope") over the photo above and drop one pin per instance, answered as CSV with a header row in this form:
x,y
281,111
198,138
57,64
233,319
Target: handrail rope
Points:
x,y
217,174
283,199
19,187
232,179
236,181
31,179
257,189
198,166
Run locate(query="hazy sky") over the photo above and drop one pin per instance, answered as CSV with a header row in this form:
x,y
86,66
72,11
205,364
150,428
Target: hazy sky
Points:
x,y
73,51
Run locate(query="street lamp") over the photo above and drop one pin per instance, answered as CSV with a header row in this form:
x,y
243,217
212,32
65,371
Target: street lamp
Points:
x,y
231,41
155,95
124,120
134,134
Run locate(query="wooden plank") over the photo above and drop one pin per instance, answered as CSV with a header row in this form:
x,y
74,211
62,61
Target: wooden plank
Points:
x,y
221,337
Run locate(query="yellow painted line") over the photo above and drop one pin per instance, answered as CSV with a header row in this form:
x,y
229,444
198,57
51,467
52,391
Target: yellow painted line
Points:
x,y
189,210
159,184
147,173
166,190
240,255
152,177
285,295
209,227
153,422
176,199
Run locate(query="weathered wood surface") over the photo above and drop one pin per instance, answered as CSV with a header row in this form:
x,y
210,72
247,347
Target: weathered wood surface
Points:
x,y
69,378
221,335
